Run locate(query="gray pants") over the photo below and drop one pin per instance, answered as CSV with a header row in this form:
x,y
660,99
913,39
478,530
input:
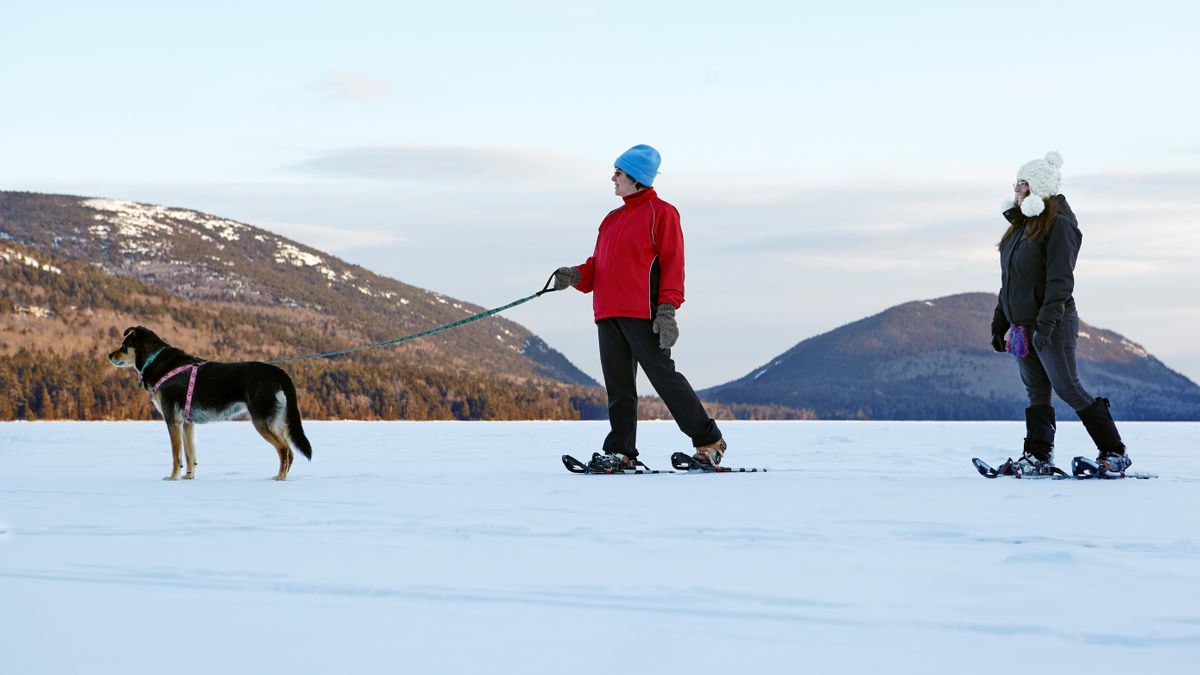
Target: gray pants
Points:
x,y
1053,368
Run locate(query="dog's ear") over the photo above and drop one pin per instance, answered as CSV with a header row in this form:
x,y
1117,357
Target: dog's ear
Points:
x,y
140,331
146,338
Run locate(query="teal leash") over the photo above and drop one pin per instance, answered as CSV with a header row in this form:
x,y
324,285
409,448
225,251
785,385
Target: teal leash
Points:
x,y
431,331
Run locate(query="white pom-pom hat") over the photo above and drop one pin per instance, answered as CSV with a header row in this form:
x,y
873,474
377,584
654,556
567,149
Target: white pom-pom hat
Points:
x,y
1045,180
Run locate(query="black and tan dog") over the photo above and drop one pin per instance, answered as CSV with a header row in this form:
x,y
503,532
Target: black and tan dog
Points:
x,y
189,391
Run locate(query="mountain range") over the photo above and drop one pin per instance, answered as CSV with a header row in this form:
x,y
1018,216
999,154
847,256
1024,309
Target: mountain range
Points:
x,y
76,271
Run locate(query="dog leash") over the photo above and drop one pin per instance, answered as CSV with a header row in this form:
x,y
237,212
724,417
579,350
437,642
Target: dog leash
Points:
x,y
431,331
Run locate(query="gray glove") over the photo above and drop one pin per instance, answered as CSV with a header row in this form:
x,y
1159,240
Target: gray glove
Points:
x,y
665,326
566,276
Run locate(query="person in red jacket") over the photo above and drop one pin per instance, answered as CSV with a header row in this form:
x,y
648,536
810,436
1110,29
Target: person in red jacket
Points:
x,y
635,277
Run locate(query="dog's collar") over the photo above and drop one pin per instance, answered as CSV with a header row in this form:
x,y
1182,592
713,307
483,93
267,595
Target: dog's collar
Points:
x,y
146,365
150,359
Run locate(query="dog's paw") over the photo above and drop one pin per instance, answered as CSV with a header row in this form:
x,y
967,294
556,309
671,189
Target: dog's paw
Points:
x,y
279,476
171,477
188,476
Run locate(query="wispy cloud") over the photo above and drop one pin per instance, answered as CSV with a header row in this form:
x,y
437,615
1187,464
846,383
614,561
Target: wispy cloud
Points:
x,y
437,163
343,84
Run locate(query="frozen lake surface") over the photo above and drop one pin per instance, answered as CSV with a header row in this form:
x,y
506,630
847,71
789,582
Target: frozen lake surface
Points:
x,y
870,547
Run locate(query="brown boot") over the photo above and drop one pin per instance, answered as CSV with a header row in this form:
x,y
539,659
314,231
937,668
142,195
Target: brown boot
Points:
x,y
711,454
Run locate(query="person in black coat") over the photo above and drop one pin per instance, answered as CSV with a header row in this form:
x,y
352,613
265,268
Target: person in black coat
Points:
x,y
1036,319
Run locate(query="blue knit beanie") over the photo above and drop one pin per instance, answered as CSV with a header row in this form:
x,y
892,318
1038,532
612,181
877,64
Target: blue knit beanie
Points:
x,y
640,163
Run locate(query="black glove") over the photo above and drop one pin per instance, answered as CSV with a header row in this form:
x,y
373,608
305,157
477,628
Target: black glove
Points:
x,y
999,321
565,276
998,343
665,326
1041,335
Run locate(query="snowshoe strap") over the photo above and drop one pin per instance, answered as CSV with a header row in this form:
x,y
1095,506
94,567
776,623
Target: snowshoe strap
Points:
x,y
1009,468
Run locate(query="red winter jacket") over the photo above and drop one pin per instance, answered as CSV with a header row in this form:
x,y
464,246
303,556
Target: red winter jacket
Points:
x,y
638,262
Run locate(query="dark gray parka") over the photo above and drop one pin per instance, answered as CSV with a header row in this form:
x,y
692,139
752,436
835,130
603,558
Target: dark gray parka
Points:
x,y
1037,278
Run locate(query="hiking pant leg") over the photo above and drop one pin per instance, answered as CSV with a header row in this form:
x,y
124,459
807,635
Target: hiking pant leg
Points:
x,y
620,382
674,389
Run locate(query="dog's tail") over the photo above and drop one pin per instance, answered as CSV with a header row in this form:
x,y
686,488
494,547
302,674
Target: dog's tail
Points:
x,y
295,429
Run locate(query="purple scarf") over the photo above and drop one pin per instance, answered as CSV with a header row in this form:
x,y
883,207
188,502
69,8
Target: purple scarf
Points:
x,y
1018,341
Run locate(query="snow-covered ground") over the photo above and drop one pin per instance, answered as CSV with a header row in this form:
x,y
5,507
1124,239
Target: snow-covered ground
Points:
x,y
467,548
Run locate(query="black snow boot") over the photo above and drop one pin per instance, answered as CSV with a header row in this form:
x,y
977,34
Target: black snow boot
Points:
x,y
1038,455
1100,426
611,462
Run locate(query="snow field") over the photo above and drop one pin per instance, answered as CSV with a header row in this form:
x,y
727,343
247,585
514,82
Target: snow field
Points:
x,y
467,548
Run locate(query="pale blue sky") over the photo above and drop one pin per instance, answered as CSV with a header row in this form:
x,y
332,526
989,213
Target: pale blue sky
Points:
x,y
829,161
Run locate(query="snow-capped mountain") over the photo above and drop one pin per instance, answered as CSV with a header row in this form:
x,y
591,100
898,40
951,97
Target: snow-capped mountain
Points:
x,y
932,359
231,291
203,257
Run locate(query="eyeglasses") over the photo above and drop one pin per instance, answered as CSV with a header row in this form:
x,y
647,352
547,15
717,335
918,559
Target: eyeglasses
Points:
x,y
1021,183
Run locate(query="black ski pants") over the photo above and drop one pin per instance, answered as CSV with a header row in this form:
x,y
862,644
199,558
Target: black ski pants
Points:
x,y
625,344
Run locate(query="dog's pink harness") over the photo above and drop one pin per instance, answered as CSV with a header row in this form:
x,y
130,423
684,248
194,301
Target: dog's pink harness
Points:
x,y
187,404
